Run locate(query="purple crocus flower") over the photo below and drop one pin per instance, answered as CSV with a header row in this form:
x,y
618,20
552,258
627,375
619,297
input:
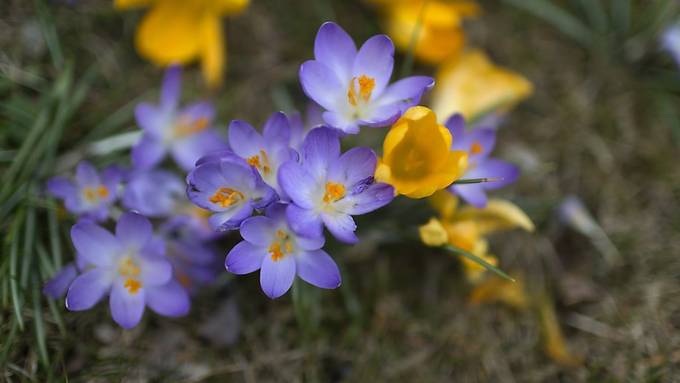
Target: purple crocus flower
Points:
x,y
272,247
89,195
299,127
130,267
184,132
56,287
230,188
352,86
327,188
264,152
479,143
153,193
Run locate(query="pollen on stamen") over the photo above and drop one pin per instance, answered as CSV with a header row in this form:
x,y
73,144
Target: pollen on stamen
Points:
x,y
226,197
132,285
186,127
260,162
476,148
334,192
366,86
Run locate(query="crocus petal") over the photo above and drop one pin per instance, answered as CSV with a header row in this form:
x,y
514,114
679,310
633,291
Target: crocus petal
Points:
x,y
277,129
473,194
56,287
244,140
128,4
172,87
304,222
318,269
86,174
88,289
335,48
61,187
259,230
95,245
276,277
456,125
375,59
382,116
245,258
477,142
298,184
321,85
342,227
200,110
212,48
230,219
320,148
341,122
133,230
147,153
170,300
372,198
155,271
189,150
152,120
126,308
354,165
494,168
406,92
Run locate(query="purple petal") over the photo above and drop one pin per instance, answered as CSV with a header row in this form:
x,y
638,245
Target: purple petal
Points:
x,y
61,187
374,197
133,230
154,193
200,110
189,150
170,300
318,269
382,116
277,129
88,289
456,125
406,92
335,48
494,168
320,149
126,308
339,121
353,166
86,175
321,85
171,87
245,258
304,222
276,277
473,194
155,271
259,230
152,120
375,59
342,227
230,219
56,287
478,143
148,152
298,184
94,244
244,140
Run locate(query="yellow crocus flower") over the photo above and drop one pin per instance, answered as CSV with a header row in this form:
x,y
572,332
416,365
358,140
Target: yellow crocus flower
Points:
x,y
181,31
473,86
441,33
417,159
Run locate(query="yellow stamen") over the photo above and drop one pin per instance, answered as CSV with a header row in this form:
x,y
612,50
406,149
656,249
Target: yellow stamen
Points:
x,y
366,86
334,192
128,267
92,194
132,285
187,127
280,247
263,166
226,197
476,148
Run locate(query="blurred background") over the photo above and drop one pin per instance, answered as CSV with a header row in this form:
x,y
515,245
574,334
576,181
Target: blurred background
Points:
x,y
597,142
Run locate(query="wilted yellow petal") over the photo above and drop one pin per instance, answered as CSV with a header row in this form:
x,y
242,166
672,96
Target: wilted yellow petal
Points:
x,y
433,233
494,289
212,50
473,86
129,4
497,215
170,32
554,343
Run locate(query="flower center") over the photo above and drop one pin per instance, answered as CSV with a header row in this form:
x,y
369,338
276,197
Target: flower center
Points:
x,y
334,192
476,148
281,246
260,162
366,85
130,269
93,194
226,197
186,126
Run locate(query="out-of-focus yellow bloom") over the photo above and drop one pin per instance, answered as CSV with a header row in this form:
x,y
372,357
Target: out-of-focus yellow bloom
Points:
x,y
440,35
417,159
433,233
181,31
496,216
553,340
473,86
494,289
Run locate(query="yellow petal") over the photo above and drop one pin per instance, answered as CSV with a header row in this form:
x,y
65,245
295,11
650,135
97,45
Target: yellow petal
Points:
x,y
444,203
553,340
169,32
473,85
497,215
498,290
129,4
433,233
212,50
230,7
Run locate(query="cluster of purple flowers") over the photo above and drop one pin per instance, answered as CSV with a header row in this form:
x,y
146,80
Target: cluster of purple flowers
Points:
x,y
279,187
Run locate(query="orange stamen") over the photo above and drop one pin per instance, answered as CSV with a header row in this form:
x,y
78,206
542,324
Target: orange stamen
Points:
x,y
334,192
366,86
476,148
186,127
132,285
226,197
263,166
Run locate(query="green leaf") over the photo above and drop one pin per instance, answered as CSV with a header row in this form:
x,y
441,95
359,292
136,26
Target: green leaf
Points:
x,y
480,261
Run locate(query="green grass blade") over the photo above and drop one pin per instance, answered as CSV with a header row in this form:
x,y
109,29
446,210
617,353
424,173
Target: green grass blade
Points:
x,y
480,261
17,300
50,34
407,66
621,15
597,17
39,325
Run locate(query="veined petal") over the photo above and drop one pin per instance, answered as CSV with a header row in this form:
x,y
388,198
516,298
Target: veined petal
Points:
x,y
244,140
320,148
304,222
335,48
374,197
231,219
375,59
356,164
342,227
277,129
406,92
276,277
341,122
298,184
245,258
259,230
126,308
321,84
319,269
